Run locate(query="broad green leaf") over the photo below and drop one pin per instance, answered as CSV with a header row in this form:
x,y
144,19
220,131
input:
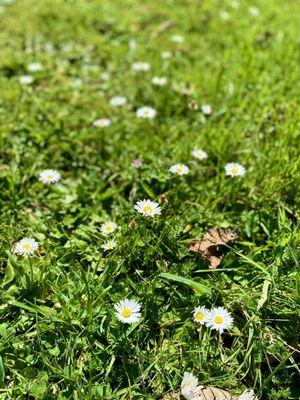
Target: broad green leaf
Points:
x,y
198,287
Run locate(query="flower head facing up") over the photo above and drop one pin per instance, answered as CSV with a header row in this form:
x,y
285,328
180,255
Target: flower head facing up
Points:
x,y
159,81
147,208
34,67
140,66
200,314
136,163
179,169
145,112
49,176
109,245
26,80
234,169
206,109
199,154
190,388
118,101
108,227
101,123
128,311
26,247
219,319
247,395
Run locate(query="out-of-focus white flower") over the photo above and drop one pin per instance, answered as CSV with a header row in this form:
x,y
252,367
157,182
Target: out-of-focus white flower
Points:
x,y
179,169
254,11
159,81
136,163
166,54
147,208
101,123
199,154
224,15
190,388
118,101
128,311
26,247
177,39
140,66
34,67
49,176
206,109
234,169
109,245
145,112
26,79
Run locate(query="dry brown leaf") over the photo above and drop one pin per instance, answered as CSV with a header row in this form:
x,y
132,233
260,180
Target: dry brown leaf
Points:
x,y
211,248
207,393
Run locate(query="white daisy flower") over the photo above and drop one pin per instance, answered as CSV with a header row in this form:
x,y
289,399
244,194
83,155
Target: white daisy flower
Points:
x,y
157,81
108,227
234,169
26,79
200,315
247,395
190,388
140,66
199,154
177,39
34,67
145,112
206,109
118,101
101,123
49,176
26,247
254,11
109,245
147,208
166,54
220,319
179,169
128,311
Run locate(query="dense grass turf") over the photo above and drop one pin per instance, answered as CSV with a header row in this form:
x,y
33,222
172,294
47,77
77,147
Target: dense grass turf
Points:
x,y
60,338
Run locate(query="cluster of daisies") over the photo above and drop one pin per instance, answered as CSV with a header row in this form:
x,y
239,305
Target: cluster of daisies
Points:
x,y
191,390
217,318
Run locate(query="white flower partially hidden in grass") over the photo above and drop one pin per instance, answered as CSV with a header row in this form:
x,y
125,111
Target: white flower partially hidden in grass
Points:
x,y
254,11
190,388
128,311
147,208
140,66
34,67
26,79
101,123
179,169
145,112
220,319
159,81
234,169
200,314
108,228
206,109
49,176
199,154
247,395
118,101
166,54
177,39
109,245
26,247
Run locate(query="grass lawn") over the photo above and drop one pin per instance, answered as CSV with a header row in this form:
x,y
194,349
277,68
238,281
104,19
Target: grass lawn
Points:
x,y
61,63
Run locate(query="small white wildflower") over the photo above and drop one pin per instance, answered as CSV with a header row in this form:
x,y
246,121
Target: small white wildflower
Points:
x,y
101,123
109,245
166,54
118,101
26,247
157,81
254,11
234,169
177,39
49,176
147,208
199,154
206,109
179,169
128,311
190,388
108,227
34,67
200,315
247,395
224,15
26,80
140,66
219,319
145,112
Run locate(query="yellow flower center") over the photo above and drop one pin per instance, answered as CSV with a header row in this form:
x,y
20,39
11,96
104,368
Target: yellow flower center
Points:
x,y
126,313
218,319
26,246
147,209
108,228
50,176
179,170
234,171
109,245
199,316
146,112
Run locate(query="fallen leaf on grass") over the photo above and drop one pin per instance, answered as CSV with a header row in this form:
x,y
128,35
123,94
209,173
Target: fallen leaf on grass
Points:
x,y
211,248
207,393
